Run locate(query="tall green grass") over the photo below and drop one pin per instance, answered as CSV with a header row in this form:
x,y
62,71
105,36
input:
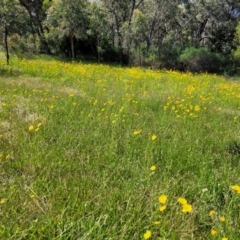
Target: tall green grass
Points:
x,y
78,143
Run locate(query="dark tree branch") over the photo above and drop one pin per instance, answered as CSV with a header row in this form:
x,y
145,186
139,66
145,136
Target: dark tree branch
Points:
x,y
6,44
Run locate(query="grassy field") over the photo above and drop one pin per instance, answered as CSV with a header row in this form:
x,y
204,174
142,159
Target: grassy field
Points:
x,y
92,151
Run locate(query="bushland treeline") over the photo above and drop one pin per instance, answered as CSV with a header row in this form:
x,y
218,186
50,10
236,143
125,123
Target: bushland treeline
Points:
x,y
196,35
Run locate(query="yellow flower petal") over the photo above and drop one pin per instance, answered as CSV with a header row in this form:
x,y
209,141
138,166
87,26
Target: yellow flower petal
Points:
x,y
162,199
213,232
235,187
147,234
182,200
187,208
222,219
153,168
136,132
212,212
154,137
162,208
31,128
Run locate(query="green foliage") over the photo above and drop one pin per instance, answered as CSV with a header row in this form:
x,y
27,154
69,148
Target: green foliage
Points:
x,y
139,24
236,53
169,54
98,28
24,46
13,21
66,19
237,34
201,60
222,39
129,31
151,59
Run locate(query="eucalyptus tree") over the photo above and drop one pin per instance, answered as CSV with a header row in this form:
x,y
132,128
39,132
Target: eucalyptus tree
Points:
x,y
5,19
161,20
236,53
67,19
209,23
37,14
13,20
153,29
225,16
135,37
120,13
98,26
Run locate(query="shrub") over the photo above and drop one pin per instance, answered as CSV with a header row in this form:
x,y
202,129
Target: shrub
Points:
x,y
201,60
169,55
24,46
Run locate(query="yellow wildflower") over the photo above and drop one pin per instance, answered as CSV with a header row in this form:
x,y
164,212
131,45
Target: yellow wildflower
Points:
x,y
213,232
162,199
153,168
197,108
147,234
136,132
31,128
212,212
182,200
154,137
222,219
156,223
224,238
162,208
2,201
236,188
187,208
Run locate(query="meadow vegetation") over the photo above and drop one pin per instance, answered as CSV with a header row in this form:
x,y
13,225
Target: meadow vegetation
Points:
x,y
91,151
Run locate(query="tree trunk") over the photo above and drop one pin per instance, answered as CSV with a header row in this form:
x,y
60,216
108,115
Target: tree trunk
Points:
x,y
98,50
113,35
139,56
6,45
72,46
36,19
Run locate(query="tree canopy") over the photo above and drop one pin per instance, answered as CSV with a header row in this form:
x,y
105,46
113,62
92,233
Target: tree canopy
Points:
x,y
156,33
